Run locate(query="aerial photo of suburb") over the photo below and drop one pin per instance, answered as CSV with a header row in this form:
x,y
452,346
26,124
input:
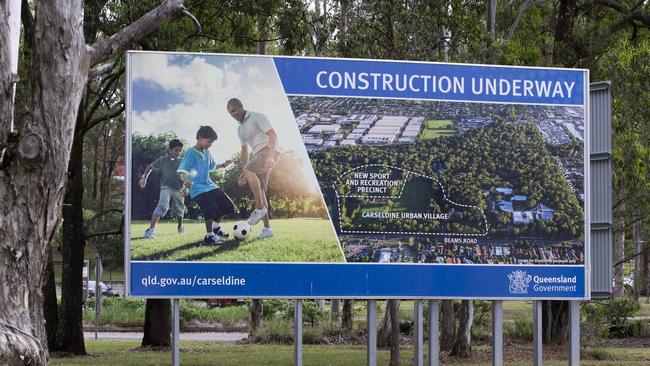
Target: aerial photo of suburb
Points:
x,y
448,182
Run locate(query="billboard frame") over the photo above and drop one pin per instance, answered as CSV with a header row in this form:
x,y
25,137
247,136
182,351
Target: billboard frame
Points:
x,y
586,168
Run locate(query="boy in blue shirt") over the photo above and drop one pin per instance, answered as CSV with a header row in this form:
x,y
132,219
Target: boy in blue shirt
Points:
x,y
195,171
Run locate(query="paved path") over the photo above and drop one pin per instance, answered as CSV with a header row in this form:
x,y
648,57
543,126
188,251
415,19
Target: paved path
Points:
x,y
199,336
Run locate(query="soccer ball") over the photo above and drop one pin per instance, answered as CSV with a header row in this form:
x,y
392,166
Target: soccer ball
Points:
x,y
241,230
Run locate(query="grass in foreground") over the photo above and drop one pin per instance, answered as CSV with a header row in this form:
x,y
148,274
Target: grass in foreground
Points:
x,y
294,240
129,312
430,134
125,353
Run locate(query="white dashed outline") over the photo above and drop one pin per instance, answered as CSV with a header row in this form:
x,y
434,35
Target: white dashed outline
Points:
x,y
444,195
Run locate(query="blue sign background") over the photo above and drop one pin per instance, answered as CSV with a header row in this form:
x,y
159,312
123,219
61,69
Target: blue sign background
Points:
x,y
359,280
299,77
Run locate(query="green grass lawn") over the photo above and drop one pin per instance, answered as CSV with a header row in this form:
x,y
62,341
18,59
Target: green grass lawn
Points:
x,y
294,240
124,353
127,353
430,134
438,123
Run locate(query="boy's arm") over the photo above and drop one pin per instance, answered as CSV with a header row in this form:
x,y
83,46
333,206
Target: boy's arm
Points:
x,y
187,182
182,171
154,165
143,179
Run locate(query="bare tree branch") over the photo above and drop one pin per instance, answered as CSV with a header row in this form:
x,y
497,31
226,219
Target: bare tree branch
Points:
x,y
627,259
101,69
108,83
634,19
514,26
141,28
107,233
113,114
191,16
103,213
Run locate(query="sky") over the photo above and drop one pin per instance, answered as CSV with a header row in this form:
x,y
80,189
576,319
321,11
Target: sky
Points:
x,y
179,93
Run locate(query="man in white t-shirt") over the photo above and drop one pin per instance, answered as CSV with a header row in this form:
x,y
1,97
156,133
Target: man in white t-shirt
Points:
x,y
255,131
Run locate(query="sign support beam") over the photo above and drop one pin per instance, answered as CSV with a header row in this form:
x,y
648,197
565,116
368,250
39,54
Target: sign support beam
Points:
x,y
176,337
497,332
372,332
418,334
297,334
434,332
574,338
537,332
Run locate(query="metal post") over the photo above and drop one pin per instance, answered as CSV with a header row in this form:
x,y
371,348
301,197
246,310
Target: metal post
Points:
x,y
372,332
434,332
98,293
297,331
418,330
497,332
574,319
537,333
176,338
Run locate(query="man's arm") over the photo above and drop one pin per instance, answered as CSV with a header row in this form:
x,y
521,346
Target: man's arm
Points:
x,y
273,144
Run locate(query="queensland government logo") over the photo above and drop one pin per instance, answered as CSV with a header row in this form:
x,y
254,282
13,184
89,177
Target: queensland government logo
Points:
x,y
519,281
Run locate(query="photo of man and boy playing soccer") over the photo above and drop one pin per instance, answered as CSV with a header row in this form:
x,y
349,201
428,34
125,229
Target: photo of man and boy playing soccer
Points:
x,y
236,188
191,174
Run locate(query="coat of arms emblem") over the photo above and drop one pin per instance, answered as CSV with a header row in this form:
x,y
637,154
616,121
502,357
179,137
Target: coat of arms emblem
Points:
x,y
519,281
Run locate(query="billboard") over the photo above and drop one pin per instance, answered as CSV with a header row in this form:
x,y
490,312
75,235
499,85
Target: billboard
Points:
x,y
257,176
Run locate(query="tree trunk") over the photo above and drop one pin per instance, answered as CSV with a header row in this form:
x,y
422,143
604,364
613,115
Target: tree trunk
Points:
x,y
448,326
157,323
463,345
344,50
563,51
443,34
393,307
555,322
71,338
261,31
257,310
645,279
34,165
321,304
639,244
317,29
388,334
619,255
385,331
32,182
346,320
336,309
50,307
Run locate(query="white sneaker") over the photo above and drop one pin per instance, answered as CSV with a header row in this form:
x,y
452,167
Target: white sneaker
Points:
x,y
256,216
149,233
219,231
211,239
266,233
181,229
